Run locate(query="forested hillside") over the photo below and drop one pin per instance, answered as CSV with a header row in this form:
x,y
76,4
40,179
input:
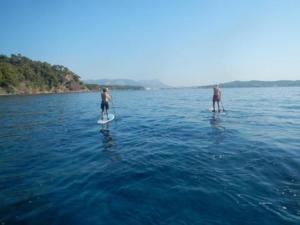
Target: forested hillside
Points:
x,y
21,75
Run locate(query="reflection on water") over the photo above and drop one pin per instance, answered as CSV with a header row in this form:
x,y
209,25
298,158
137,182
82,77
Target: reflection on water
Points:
x,y
218,130
108,140
109,144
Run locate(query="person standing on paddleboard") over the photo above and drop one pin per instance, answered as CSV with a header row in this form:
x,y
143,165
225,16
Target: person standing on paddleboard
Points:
x,y
217,97
105,98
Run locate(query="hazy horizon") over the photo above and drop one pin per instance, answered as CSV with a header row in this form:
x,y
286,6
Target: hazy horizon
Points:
x,y
179,43
189,85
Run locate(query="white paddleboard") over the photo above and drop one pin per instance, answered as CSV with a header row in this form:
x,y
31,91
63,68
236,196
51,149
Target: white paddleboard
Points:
x,y
216,111
111,117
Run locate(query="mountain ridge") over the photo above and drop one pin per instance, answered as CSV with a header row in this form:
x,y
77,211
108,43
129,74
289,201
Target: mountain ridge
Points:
x,y
154,83
256,83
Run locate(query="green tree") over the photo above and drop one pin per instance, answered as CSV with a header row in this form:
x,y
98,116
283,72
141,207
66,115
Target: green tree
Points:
x,y
9,75
18,69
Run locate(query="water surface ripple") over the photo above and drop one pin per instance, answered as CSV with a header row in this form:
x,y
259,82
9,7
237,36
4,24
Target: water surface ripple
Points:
x,y
164,160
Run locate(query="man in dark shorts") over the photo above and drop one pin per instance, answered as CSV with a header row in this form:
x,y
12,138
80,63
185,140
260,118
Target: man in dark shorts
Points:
x,y
217,97
105,98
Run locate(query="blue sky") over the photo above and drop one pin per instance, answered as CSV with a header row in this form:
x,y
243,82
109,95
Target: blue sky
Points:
x,y
180,42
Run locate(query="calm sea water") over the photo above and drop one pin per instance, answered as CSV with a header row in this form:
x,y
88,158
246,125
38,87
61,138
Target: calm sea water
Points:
x,y
164,160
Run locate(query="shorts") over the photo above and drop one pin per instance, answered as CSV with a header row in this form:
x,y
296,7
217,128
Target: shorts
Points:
x,y
216,98
104,106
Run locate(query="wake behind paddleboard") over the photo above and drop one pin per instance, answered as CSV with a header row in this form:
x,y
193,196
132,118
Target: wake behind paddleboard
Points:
x,y
111,117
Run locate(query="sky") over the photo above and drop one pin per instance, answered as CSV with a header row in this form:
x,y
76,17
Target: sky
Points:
x,y
180,42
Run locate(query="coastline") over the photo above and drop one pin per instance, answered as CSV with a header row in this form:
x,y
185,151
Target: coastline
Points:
x,y
62,92
43,93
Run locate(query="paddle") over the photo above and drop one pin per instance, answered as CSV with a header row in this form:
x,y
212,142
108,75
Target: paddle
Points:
x,y
222,106
113,106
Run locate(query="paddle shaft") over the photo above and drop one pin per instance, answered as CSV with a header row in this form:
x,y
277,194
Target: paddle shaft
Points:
x,y
222,105
113,106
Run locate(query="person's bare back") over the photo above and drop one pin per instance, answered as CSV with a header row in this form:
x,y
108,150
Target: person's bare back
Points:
x,y
105,97
217,91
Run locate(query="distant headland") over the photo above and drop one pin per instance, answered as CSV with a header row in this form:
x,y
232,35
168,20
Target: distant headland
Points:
x,y
257,83
21,75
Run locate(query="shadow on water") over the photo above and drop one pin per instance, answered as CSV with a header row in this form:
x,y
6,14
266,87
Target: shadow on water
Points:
x,y
218,130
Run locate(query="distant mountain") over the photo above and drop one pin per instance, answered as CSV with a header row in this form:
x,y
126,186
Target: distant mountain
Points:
x,y
97,87
257,83
127,82
153,84
124,82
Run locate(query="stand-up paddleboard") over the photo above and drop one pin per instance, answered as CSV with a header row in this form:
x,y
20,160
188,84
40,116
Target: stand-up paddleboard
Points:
x,y
216,111
111,117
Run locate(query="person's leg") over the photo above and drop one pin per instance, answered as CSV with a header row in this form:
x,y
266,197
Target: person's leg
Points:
x,y
218,106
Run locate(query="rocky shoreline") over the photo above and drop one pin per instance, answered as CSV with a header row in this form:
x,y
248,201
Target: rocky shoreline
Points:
x,y
38,91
